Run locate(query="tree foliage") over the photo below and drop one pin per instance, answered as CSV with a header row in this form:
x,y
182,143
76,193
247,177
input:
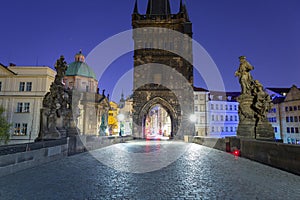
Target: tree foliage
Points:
x,y
4,127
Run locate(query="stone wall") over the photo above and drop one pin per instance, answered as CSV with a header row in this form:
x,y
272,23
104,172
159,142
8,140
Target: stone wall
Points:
x,y
275,154
84,143
279,155
15,158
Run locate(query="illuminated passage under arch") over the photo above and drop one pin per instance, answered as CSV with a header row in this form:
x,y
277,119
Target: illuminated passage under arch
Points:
x,y
158,123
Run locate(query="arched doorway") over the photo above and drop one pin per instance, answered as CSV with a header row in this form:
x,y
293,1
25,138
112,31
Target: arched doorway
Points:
x,y
157,123
166,117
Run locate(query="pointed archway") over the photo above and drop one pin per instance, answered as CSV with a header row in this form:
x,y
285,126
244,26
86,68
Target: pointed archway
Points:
x,y
167,111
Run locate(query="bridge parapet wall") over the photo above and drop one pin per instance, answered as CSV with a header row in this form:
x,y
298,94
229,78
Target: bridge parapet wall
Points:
x,y
275,154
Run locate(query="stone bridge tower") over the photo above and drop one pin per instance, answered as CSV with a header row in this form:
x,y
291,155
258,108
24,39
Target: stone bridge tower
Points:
x,y
163,69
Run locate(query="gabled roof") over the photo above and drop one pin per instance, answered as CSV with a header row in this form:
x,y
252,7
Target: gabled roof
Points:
x,y
6,69
280,91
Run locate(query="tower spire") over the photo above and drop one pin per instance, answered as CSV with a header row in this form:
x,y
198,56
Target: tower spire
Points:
x,y
158,7
135,11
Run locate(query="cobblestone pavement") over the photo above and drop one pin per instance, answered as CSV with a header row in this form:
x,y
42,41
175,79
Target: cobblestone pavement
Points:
x,y
151,170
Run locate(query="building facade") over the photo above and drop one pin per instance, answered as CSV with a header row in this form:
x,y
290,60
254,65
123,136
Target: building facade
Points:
x,y
216,112
285,114
22,89
93,107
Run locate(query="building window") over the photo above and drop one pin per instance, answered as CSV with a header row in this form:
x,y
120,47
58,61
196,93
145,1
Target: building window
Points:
x,y
212,106
295,108
0,86
212,129
196,97
221,106
20,131
291,119
275,129
231,118
290,108
19,107
226,118
217,107
286,109
202,108
296,130
22,86
226,107
235,107
26,107
17,130
23,107
299,107
292,130
222,118
201,97
212,118
196,108
295,119
287,119
28,86
236,118
230,107
226,129
24,129
231,129
288,130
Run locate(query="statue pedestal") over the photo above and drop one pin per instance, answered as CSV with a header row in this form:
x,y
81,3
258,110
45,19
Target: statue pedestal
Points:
x,y
264,130
246,129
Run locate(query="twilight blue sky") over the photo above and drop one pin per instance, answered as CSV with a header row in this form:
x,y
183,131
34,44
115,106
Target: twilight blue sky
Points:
x,y
266,31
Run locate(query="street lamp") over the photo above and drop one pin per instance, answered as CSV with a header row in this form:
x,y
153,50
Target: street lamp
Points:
x,y
193,118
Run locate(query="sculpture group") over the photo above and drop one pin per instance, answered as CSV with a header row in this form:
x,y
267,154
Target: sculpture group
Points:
x,y
60,108
254,103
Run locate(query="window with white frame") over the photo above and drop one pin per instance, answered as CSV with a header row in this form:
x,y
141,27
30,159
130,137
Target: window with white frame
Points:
x,y
23,107
17,129
22,86
24,129
20,130
26,107
28,86
19,107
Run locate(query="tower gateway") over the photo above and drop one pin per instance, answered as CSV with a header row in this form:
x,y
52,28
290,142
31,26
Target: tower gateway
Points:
x,y
163,100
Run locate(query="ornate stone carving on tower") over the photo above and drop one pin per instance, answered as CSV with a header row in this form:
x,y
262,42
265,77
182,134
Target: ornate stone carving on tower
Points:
x,y
60,108
163,70
254,103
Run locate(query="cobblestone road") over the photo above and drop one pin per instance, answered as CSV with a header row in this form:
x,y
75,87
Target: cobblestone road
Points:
x,y
151,170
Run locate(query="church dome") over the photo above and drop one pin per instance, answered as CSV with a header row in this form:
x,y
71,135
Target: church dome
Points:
x,y
80,68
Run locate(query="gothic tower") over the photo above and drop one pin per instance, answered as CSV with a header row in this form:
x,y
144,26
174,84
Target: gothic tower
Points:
x,y
163,70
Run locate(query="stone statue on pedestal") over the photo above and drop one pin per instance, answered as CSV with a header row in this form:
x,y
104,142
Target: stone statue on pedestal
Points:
x,y
254,103
58,116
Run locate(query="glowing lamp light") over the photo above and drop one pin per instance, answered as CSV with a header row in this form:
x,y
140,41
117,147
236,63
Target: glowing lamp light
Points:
x,y
193,118
237,152
121,117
